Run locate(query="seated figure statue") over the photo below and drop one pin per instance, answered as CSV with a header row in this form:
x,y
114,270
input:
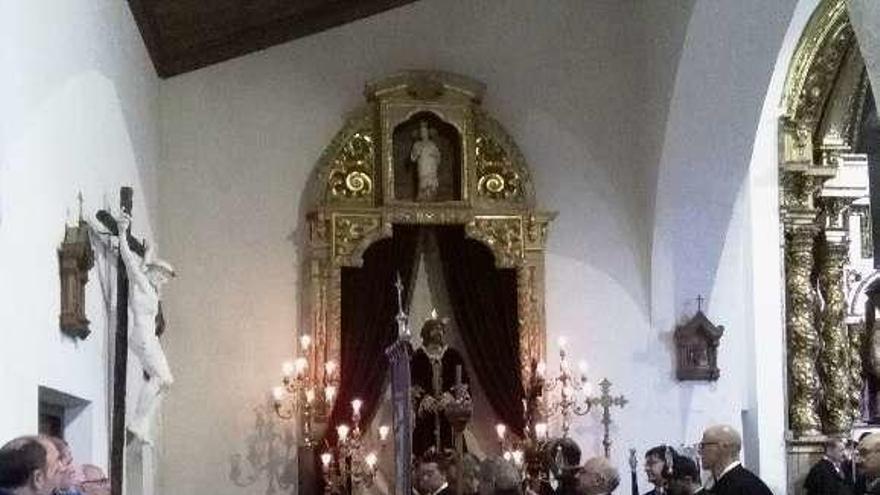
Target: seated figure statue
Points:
x,y
436,369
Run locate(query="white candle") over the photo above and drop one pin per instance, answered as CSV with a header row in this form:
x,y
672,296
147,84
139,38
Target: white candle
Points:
x,y
501,429
326,459
517,457
371,460
356,406
304,342
300,365
329,394
383,432
329,368
541,430
287,368
342,432
310,395
278,393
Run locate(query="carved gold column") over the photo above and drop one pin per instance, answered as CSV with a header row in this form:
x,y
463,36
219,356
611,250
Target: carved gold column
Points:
x,y
856,334
834,357
803,339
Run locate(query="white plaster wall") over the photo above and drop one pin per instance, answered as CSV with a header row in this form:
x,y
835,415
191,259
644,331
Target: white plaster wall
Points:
x,y
717,224
638,122
79,100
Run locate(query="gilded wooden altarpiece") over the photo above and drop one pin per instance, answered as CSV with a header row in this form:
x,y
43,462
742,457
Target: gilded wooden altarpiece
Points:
x,y
823,100
354,203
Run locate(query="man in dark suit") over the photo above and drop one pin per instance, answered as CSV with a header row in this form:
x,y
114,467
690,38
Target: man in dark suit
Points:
x,y
432,475
720,453
826,477
869,462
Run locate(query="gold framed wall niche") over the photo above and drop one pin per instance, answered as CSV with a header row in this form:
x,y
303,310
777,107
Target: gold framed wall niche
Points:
x,y
353,202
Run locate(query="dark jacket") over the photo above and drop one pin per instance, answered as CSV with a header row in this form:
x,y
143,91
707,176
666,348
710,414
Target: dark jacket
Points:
x,y
740,481
825,479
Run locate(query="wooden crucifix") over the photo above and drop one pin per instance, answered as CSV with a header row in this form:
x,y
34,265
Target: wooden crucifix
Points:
x,y
120,355
607,401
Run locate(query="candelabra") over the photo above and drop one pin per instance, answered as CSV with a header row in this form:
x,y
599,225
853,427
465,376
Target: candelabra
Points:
x,y
567,394
352,462
301,391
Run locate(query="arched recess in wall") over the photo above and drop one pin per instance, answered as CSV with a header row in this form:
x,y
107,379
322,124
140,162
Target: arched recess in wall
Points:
x,y
362,194
825,210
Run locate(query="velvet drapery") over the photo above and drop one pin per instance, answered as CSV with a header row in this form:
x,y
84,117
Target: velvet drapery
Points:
x,y
484,300
369,307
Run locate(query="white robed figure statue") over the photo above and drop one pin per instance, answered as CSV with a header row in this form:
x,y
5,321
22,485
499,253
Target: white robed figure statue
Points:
x,y
426,155
145,280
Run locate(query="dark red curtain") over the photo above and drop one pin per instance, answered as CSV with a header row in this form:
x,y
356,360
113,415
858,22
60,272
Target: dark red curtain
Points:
x,y
485,306
369,305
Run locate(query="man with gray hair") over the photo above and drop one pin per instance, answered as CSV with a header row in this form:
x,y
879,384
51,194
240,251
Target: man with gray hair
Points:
x,y
869,462
598,477
719,451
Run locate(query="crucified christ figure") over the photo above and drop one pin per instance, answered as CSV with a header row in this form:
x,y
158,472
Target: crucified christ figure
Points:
x,y
145,282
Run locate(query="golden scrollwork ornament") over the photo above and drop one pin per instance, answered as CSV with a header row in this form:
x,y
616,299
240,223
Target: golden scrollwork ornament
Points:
x,y
350,176
497,179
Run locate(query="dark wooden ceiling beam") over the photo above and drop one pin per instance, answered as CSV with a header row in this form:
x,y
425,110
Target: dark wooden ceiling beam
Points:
x,y
184,35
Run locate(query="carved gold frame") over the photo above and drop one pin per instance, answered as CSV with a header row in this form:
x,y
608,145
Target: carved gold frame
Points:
x,y
352,203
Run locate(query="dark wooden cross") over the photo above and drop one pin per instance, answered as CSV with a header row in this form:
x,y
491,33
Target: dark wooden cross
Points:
x,y
120,353
607,401
700,300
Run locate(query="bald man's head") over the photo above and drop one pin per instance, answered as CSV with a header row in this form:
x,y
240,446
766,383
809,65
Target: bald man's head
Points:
x,y
720,446
598,476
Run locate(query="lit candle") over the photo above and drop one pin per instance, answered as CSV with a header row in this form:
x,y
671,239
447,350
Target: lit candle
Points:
x,y
304,342
310,395
562,341
326,459
541,368
541,430
356,406
588,388
517,457
342,432
278,393
501,429
371,460
300,365
383,432
329,394
287,368
329,368
506,455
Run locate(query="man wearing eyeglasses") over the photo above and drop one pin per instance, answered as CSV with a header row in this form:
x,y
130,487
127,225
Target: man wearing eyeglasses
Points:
x,y
719,451
869,462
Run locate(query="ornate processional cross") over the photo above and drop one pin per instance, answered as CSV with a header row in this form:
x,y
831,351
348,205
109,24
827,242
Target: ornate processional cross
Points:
x,y
607,401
